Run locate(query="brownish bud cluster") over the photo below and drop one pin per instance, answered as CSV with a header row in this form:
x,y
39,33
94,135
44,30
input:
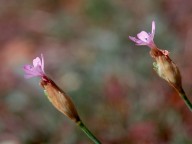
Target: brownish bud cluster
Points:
x,y
59,99
166,68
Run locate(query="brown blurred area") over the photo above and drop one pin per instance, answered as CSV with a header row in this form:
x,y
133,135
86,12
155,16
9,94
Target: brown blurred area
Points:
x,y
88,54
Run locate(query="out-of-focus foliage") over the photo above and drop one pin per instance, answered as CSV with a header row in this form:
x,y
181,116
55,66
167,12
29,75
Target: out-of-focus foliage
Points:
x,y
88,54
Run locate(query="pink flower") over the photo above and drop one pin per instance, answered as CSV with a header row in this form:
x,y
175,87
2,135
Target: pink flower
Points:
x,y
144,38
164,66
35,70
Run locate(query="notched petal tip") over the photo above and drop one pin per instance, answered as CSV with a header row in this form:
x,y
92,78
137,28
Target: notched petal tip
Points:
x,y
132,38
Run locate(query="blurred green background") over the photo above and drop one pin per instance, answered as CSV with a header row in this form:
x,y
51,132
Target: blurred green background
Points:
x,y
88,54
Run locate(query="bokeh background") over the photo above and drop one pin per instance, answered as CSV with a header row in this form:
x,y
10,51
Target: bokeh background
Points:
x,y
88,54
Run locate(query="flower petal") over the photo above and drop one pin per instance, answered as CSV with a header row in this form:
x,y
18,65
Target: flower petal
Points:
x,y
38,70
42,62
35,70
36,62
137,41
144,36
32,71
153,29
28,69
134,39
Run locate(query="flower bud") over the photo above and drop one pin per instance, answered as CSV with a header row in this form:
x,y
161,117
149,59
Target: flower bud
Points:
x,y
167,70
59,99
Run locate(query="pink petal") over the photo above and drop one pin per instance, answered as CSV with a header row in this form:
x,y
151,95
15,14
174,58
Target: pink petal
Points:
x,y
36,62
134,39
153,29
42,63
38,70
31,72
28,69
137,41
144,36
35,70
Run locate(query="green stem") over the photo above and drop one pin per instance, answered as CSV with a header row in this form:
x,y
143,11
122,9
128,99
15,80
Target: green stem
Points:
x,y
186,100
88,133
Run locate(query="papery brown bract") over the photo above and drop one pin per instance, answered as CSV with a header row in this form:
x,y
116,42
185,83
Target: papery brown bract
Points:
x,y
59,99
166,68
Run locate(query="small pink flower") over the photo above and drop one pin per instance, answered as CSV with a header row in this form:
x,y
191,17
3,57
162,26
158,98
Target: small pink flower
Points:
x,y
35,70
144,38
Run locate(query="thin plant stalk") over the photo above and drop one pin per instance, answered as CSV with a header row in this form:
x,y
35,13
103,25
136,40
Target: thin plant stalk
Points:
x,y
185,98
88,132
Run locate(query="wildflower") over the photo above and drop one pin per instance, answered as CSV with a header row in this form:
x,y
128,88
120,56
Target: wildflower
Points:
x,y
56,96
35,70
164,66
144,38
60,100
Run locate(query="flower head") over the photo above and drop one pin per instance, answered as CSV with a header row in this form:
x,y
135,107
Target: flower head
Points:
x,y
35,70
164,66
144,38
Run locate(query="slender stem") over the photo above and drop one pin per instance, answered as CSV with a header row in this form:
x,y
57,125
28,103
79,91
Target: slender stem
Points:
x,y
88,133
186,100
